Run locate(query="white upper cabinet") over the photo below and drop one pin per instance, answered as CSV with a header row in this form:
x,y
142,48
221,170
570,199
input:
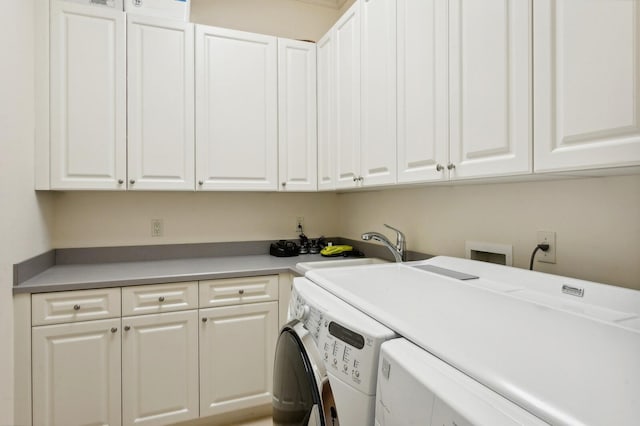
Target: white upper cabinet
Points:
x,y
326,112
161,123
346,41
297,145
490,88
236,110
378,93
88,97
423,97
587,84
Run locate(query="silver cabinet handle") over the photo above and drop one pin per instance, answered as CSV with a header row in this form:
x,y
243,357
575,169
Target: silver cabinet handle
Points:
x,y
451,166
204,319
127,328
76,307
114,329
439,167
161,299
241,292
120,181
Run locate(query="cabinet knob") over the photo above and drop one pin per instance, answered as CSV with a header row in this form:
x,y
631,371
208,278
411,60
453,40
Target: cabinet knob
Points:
x,y
283,184
439,167
451,166
200,182
132,181
120,181
127,328
360,178
241,292
114,329
204,319
161,299
76,307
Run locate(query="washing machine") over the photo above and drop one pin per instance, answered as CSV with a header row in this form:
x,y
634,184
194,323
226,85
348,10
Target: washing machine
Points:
x,y
326,361
417,389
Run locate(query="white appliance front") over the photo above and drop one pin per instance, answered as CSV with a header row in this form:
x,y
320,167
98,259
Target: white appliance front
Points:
x,y
416,388
347,344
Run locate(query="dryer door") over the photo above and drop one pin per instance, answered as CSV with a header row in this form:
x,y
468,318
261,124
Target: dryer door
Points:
x,y
296,398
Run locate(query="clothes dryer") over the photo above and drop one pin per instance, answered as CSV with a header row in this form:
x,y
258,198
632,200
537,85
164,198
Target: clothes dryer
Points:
x,y
326,361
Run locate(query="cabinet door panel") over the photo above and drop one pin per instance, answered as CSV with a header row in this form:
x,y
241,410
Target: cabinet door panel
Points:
x,y
236,110
76,374
490,87
160,368
160,104
297,145
587,87
423,96
347,45
88,97
237,345
326,113
378,102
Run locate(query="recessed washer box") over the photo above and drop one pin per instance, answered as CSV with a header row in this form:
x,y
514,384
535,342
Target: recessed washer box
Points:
x,y
501,254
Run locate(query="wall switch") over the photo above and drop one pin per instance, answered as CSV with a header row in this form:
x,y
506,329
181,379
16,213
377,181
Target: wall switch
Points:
x,y
156,227
299,224
547,237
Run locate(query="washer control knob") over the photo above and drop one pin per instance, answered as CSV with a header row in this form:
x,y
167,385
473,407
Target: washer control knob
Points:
x,y
302,313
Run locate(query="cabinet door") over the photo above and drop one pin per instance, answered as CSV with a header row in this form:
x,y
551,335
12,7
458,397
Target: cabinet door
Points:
x,y
237,345
423,96
297,145
490,87
378,85
326,113
160,104
587,84
160,368
347,67
76,374
236,110
88,97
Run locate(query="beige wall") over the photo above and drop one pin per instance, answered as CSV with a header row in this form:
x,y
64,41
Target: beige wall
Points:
x,y
597,221
23,214
85,219
283,18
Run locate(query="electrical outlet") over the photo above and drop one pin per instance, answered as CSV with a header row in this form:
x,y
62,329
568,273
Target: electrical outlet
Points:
x,y
547,237
156,227
299,224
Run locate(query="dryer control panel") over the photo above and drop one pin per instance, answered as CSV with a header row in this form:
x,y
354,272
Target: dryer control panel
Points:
x,y
348,340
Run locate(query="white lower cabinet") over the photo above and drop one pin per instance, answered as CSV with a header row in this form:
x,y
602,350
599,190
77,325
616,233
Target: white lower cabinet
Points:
x,y
237,345
76,373
160,368
192,349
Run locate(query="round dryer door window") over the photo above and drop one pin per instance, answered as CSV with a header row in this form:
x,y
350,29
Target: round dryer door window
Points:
x,y
296,398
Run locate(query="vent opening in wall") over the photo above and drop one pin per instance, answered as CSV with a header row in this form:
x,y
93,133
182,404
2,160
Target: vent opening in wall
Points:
x,y
501,254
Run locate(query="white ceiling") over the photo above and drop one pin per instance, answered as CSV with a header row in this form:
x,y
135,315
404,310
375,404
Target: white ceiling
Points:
x,y
336,4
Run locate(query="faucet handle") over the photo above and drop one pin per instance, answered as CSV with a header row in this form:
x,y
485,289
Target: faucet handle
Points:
x,y
399,234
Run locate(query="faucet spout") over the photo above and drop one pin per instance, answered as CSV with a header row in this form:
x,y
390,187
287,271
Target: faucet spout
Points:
x,y
398,250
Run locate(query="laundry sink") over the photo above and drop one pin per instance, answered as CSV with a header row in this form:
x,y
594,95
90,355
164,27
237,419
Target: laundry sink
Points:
x,y
303,267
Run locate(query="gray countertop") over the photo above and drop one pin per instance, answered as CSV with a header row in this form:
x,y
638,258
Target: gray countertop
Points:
x,y
120,274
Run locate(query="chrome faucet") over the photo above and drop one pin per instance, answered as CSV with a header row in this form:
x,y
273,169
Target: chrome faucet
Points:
x,y
399,250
